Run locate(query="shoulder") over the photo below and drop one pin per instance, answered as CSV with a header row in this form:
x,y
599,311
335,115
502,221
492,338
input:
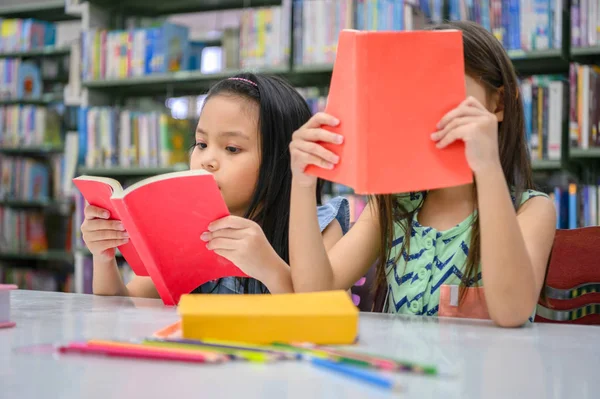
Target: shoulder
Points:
x,y
527,195
410,201
337,208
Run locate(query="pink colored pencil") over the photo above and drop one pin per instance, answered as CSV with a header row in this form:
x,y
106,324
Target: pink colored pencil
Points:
x,y
132,352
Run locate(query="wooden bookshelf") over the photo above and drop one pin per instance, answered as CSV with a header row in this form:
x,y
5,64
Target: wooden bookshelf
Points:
x,y
165,7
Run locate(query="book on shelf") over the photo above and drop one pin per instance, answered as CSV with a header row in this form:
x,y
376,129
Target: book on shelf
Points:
x,y
265,36
585,23
114,137
525,25
317,24
111,54
577,205
18,34
24,179
22,231
261,40
37,280
29,125
375,95
545,108
165,216
584,113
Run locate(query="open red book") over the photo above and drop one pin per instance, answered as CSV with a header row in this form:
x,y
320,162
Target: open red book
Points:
x,y
389,90
165,216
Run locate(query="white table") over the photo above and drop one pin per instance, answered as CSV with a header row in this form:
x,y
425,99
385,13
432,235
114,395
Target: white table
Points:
x,y
538,361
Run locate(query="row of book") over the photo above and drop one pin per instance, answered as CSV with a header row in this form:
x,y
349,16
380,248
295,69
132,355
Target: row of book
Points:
x,y
585,23
37,280
19,79
110,136
584,113
25,34
317,24
22,231
545,105
24,179
112,54
29,125
519,24
577,205
264,36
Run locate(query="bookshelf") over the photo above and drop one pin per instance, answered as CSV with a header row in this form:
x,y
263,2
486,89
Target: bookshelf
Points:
x,y
161,8
35,211
45,10
48,51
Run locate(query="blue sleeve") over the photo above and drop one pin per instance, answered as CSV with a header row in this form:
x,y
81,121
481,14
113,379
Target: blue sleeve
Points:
x,y
336,209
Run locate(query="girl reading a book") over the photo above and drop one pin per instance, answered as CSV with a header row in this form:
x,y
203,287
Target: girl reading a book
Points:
x,y
436,251
242,138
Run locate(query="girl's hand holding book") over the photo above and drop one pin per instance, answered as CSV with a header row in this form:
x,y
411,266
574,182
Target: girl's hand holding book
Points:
x,y
101,235
306,148
243,242
472,123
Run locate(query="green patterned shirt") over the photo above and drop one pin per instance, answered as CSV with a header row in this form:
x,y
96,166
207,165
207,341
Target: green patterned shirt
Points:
x,y
436,258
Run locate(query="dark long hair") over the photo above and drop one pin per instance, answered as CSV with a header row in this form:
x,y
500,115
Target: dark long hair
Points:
x,y
485,60
282,110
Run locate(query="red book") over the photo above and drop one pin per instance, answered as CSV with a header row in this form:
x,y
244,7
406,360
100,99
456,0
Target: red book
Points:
x,y
389,90
165,216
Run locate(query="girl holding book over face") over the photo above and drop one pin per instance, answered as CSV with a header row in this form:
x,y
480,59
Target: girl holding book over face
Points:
x,y
438,251
242,138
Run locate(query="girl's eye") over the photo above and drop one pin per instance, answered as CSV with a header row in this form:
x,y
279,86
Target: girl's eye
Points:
x,y
233,150
201,145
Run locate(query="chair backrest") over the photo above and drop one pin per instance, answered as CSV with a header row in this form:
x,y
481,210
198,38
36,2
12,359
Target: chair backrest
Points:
x,y
572,285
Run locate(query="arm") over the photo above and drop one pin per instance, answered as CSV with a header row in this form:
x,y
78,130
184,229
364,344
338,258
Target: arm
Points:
x,y
514,248
315,267
107,281
244,243
336,267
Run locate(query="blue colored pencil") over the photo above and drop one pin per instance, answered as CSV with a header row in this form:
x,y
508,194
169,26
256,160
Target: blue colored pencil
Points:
x,y
357,373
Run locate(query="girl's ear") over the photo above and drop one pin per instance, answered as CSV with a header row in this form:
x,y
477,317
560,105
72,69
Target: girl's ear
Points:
x,y
498,103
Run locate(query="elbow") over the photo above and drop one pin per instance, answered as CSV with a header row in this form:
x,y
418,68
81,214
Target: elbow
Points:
x,y
509,321
507,316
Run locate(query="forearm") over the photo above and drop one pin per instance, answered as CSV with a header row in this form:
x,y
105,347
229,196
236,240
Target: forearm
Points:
x,y
107,279
507,270
279,278
309,264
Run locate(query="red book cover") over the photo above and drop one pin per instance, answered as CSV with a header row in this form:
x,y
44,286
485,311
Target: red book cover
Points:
x,y
165,216
389,90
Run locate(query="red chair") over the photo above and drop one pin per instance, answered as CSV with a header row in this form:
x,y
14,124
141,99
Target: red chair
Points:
x,y
572,284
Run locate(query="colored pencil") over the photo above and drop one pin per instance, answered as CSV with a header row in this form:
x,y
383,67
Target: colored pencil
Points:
x,y
133,353
379,362
282,354
357,373
208,355
253,356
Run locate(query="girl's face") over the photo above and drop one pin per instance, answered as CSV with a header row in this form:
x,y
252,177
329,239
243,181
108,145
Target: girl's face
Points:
x,y
227,145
